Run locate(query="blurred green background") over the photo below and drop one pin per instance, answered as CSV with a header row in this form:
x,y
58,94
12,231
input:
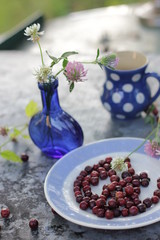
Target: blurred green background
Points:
x,y
13,12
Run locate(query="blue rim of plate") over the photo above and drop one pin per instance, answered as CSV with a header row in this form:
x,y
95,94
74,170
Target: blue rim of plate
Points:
x,y
58,174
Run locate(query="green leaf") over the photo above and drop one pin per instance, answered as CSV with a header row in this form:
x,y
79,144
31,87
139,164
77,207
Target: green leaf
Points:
x,y
52,64
67,54
9,155
97,54
31,109
65,61
55,60
101,66
26,136
71,87
15,133
149,119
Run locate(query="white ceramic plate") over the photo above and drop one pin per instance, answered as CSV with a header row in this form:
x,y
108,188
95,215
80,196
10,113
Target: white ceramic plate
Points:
x,y
59,183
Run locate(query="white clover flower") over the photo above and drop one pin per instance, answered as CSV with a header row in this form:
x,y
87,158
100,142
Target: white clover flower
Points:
x,y
33,32
43,74
118,164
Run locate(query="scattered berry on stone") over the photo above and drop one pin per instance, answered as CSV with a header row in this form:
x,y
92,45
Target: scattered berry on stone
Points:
x,y
5,212
24,157
33,224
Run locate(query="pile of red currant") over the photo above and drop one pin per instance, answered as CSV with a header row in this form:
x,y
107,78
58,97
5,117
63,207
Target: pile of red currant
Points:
x,y
118,198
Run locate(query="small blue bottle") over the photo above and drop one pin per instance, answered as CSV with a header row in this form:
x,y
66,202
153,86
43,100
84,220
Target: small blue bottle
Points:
x,y
53,130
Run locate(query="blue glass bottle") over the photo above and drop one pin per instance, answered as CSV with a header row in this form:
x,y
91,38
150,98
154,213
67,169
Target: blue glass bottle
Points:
x,y
53,130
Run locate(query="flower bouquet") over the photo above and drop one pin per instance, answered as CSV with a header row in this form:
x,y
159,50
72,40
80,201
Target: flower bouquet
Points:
x,y
53,130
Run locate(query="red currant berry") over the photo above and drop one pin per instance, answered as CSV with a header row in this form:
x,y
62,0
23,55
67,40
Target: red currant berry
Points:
x,y
94,196
125,212
79,198
88,169
136,183
111,172
158,180
114,178
158,185
121,202
147,202
131,171
24,157
112,203
83,205
143,175
101,162
137,190
119,194
133,210
129,204
105,192
136,176
108,160
5,212
83,173
95,210
100,202
94,174
122,183
129,190
107,166
92,203
103,175
94,181
145,182
33,223
155,199
141,207
125,174
157,193
109,214
127,159
128,179
100,212
117,212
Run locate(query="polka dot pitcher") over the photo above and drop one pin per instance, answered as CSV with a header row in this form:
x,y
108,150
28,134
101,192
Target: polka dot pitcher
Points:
x,y
127,89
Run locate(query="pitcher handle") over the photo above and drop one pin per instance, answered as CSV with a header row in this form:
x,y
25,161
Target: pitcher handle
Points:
x,y
156,76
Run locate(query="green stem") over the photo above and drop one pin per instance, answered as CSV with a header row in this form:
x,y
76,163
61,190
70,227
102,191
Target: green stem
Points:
x,y
59,72
9,140
93,62
149,135
5,143
40,52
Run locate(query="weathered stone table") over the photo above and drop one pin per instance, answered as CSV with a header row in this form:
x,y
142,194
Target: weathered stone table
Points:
x,y
21,185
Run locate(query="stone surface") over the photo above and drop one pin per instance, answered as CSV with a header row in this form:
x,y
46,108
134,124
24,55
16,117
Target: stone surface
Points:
x,y
22,185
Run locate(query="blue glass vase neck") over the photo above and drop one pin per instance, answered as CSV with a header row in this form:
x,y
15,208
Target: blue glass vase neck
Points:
x,y
49,95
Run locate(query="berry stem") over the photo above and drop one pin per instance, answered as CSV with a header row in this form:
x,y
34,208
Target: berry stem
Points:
x,y
149,135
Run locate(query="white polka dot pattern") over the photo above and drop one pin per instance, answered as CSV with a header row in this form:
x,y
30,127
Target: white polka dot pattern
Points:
x,y
127,107
107,106
120,116
127,87
115,77
136,77
109,85
116,97
140,98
